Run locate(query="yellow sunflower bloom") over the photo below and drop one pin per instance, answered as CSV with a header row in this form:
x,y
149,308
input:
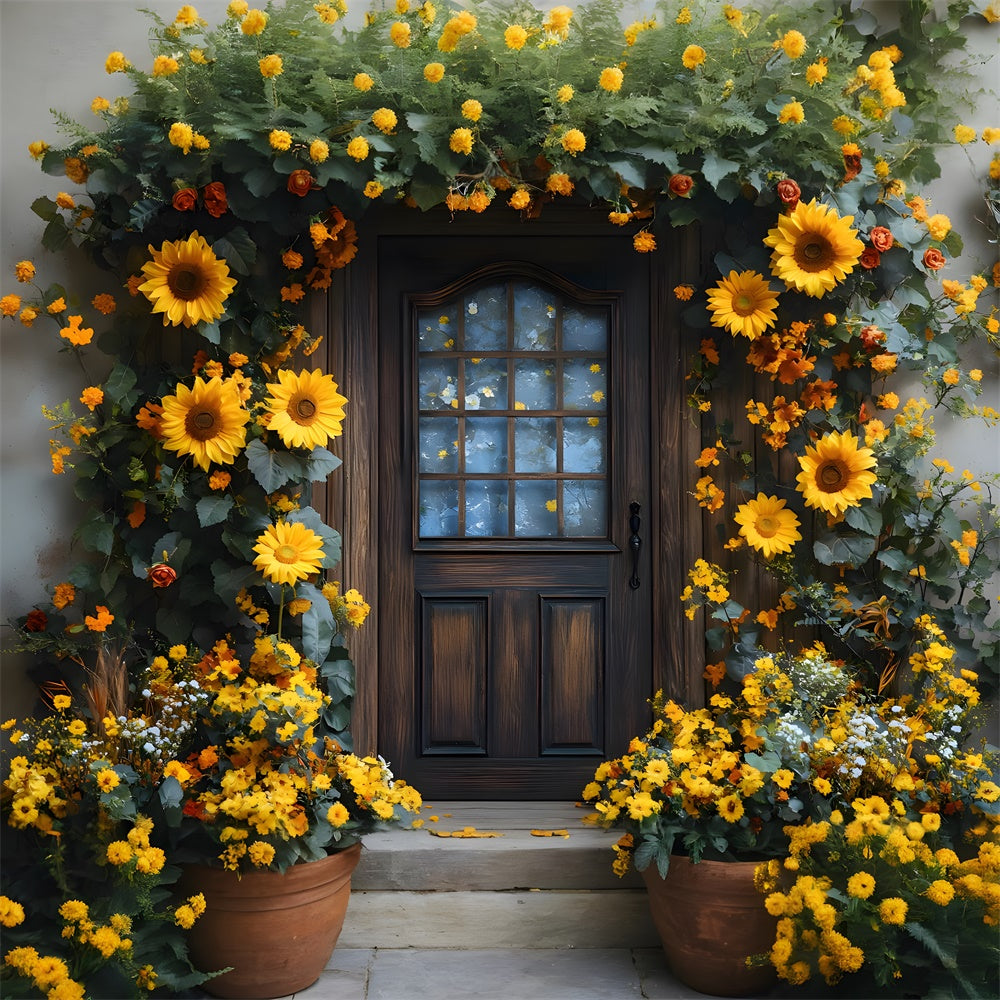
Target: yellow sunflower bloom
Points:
x,y
288,552
767,525
186,281
835,474
305,409
743,303
814,248
207,421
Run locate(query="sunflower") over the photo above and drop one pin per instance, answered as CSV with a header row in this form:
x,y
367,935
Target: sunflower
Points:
x,y
288,552
207,421
814,248
835,474
743,303
768,525
186,281
305,409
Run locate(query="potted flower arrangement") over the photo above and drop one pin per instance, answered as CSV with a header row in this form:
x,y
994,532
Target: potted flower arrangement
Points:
x,y
804,785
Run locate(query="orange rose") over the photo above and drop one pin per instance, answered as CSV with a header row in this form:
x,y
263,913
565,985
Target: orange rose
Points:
x,y
680,185
881,238
185,200
301,182
161,575
870,258
216,203
789,192
934,260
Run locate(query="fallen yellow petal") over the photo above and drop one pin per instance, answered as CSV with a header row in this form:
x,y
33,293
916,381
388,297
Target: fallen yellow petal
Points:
x,y
550,833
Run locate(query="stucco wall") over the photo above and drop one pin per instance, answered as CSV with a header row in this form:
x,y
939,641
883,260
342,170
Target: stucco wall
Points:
x,y
52,55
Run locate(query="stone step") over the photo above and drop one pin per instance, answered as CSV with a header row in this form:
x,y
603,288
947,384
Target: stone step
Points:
x,y
515,889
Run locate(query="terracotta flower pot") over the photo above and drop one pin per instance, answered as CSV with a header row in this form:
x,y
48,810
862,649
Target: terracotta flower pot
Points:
x,y
710,918
277,930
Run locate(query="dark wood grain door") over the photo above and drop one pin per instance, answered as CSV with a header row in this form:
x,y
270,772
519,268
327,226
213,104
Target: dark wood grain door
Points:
x,y
514,477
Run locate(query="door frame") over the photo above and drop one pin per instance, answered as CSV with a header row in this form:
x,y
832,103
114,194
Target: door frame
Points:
x,y
673,526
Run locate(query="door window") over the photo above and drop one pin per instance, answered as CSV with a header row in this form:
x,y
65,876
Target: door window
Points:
x,y
512,414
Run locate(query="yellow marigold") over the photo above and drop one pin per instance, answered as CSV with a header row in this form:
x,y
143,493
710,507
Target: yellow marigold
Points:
x,y
938,226
565,94
165,66
520,199
400,34
574,141
116,63
357,148
373,190
964,134
237,8
792,113
515,37
271,66
363,82
181,135
434,72
461,141
24,271
693,56
280,140
254,22
611,79
99,104
318,151
559,183
816,73
794,44
472,110
644,242
384,119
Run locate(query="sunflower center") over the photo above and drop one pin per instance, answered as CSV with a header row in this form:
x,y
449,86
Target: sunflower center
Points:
x,y
286,553
187,281
767,526
201,424
814,253
305,409
832,477
744,304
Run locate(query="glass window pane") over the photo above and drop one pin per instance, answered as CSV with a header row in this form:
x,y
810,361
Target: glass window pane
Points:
x,y
438,444
534,319
438,508
534,384
486,444
438,388
535,509
486,319
486,383
584,440
535,444
436,329
585,329
584,384
585,508
486,507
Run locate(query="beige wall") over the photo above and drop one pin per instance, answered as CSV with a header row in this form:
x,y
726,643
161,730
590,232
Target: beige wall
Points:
x,y
52,55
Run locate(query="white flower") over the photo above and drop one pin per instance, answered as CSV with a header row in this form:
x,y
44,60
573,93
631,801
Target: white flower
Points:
x,y
473,308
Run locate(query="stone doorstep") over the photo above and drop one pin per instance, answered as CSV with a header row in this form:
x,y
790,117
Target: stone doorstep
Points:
x,y
419,861
416,890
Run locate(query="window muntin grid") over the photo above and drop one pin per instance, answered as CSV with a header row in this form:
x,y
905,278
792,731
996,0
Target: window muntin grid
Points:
x,y
512,415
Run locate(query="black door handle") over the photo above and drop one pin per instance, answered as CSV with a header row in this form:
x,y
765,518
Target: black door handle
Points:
x,y
634,542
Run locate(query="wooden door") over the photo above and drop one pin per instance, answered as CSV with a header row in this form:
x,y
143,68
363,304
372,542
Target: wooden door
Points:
x,y
514,485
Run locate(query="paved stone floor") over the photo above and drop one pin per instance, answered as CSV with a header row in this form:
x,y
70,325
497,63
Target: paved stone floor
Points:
x,y
497,974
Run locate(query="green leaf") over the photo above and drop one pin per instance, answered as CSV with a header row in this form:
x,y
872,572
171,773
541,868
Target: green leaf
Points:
x,y
143,212
716,167
238,249
865,518
320,464
45,208
97,534
318,624
171,799
118,386
272,469
56,235
213,509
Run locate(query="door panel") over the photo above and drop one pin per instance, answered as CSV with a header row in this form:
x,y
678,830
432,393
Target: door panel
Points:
x,y
514,436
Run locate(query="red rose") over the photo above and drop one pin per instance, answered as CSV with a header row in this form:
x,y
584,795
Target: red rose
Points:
x,y
215,199
161,575
36,621
680,185
789,192
881,239
870,258
301,182
185,200
934,260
